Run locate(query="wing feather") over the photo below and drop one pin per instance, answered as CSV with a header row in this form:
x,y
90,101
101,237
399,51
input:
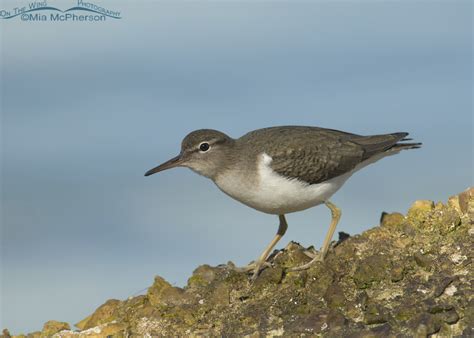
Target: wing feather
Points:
x,y
314,155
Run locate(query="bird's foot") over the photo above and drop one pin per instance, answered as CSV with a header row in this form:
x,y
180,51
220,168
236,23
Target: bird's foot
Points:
x,y
316,257
255,266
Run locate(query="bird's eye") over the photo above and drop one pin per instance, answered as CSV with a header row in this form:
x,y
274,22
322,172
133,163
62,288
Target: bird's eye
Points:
x,y
204,146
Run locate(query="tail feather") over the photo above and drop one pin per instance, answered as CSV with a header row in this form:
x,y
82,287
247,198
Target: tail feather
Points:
x,y
377,147
412,145
402,146
377,144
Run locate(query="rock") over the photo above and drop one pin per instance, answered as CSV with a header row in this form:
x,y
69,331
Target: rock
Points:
x,y
221,295
419,211
394,219
423,261
271,275
318,322
103,314
342,236
453,202
423,206
162,293
375,314
202,276
409,277
111,329
51,327
397,273
442,285
293,255
82,325
384,330
450,317
425,324
334,296
373,269
466,201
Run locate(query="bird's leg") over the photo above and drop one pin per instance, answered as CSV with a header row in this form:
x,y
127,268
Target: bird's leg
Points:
x,y
336,215
261,261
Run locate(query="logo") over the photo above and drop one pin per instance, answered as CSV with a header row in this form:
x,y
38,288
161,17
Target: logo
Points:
x,y
83,11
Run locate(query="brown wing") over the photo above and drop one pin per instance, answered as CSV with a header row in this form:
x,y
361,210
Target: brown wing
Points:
x,y
318,159
314,155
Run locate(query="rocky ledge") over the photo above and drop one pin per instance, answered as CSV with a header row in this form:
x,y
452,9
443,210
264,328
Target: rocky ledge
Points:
x,y
410,276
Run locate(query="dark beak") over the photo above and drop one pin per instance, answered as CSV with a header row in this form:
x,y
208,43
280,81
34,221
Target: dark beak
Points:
x,y
174,162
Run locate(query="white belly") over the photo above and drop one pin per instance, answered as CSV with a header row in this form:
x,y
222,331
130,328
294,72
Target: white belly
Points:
x,y
275,194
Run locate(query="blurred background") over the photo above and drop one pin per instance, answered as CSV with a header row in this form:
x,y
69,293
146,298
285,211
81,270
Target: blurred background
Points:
x,y
87,108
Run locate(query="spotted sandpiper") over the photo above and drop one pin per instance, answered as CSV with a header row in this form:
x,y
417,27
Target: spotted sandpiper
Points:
x,y
280,170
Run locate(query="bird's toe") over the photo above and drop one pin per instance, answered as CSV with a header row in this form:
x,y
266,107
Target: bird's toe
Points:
x,y
316,257
255,267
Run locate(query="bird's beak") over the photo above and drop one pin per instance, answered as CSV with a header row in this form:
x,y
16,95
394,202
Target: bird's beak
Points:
x,y
174,162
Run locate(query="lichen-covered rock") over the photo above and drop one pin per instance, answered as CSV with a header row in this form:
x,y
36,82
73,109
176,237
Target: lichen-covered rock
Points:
x,y
202,276
112,329
394,219
103,314
466,201
419,212
5,334
161,293
411,276
51,327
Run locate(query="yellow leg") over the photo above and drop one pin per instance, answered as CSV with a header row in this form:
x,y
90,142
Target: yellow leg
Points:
x,y
263,257
336,215
261,261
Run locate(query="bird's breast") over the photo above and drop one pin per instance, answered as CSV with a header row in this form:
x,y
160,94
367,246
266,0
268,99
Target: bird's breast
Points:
x,y
267,191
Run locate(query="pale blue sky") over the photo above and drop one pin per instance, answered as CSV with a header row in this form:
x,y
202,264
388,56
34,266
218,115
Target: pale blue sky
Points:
x,y
87,108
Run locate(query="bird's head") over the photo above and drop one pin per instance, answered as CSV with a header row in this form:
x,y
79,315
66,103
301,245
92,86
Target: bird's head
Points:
x,y
203,151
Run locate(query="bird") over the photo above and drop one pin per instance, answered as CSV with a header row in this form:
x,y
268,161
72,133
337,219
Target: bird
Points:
x,y
284,169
